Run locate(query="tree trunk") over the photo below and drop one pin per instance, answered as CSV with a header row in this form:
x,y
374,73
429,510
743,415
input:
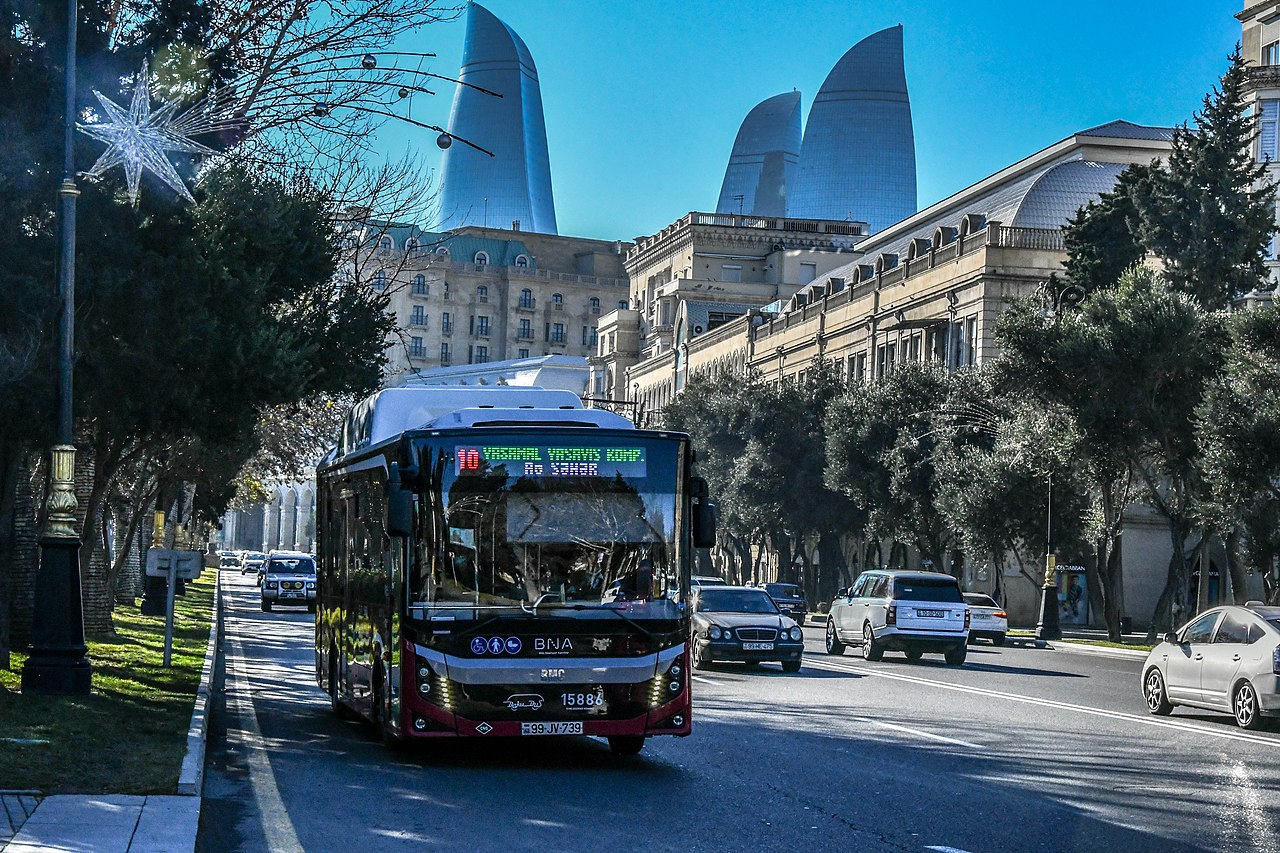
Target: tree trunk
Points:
x,y
9,459
1239,587
830,568
1162,617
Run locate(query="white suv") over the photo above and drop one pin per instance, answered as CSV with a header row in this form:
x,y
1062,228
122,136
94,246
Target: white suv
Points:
x,y
912,612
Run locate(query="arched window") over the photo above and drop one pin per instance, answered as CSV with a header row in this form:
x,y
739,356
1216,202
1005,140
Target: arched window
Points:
x,y
557,301
622,305
522,260
420,285
594,302
385,244
442,250
411,246
379,280
482,293
482,258
526,298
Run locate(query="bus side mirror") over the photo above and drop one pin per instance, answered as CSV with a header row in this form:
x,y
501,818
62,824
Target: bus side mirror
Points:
x,y
704,524
399,505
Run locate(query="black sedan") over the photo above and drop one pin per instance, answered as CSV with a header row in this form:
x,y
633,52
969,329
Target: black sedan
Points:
x,y
739,623
789,598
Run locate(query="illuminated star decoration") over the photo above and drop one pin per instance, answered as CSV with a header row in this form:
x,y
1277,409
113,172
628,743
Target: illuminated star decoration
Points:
x,y
138,138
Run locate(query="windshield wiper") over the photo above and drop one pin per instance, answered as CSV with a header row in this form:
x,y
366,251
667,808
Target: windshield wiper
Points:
x,y
534,610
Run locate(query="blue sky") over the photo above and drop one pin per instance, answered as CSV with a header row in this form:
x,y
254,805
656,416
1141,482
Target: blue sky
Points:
x,y
643,99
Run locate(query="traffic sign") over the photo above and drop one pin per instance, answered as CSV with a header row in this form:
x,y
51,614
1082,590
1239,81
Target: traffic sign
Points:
x,y
188,564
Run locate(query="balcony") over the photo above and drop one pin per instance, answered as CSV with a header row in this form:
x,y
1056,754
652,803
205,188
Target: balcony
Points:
x,y
1263,77
525,304
446,328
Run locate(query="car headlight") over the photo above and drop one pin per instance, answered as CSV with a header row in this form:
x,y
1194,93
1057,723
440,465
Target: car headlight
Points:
x,y
271,584
713,632
311,585
796,633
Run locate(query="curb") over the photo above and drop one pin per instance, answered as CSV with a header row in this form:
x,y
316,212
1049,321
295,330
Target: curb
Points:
x,y
191,776
1099,651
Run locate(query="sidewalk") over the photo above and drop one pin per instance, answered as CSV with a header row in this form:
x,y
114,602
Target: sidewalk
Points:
x,y
121,823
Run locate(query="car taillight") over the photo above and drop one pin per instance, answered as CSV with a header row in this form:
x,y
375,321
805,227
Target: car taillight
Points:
x,y
967,615
891,618
1275,660
1000,614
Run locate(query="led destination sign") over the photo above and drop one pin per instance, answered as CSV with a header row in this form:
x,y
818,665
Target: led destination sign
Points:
x,y
534,460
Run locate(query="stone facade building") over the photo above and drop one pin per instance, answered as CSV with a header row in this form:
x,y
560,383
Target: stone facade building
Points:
x,y
1260,47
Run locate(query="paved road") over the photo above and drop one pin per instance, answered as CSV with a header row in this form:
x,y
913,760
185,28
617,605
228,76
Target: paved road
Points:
x,y
1019,750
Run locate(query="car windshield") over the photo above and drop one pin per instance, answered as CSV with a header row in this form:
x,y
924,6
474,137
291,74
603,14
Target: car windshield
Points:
x,y
291,566
927,589
782,590
977,599
735,601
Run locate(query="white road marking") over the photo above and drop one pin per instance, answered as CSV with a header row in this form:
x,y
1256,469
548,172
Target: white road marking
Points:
x,y
276,826
703,680
1125,716
927,736
946,849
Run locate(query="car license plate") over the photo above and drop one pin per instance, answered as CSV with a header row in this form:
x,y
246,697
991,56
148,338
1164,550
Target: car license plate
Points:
x,y
931,614
570,728
757,647
982,616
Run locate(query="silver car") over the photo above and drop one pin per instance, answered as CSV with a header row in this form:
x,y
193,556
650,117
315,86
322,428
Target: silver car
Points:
x,y
1226,659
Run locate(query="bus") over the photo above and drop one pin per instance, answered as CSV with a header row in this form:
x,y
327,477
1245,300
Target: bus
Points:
x,y
502,562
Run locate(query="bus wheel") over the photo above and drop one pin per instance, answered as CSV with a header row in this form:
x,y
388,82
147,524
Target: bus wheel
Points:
x,y
626,744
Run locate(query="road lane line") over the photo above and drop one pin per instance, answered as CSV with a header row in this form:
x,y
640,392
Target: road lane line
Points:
x,y
924,734
702,679
939,849
855,669
276,825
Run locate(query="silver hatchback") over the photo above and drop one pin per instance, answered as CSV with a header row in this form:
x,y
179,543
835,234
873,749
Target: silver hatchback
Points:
x,y
1226,659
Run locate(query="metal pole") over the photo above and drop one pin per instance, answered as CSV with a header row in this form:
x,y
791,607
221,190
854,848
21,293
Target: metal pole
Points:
x,y
1049,627
58,664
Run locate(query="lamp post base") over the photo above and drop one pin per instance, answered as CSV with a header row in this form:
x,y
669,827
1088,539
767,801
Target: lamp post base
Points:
x,y
1048,628
57,665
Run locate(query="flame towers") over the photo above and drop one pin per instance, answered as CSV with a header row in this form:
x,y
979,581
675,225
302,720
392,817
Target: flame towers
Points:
x,y
857,158
514,185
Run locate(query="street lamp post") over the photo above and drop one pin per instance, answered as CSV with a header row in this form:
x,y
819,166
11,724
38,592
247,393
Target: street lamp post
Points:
x,y
1047,628
57,664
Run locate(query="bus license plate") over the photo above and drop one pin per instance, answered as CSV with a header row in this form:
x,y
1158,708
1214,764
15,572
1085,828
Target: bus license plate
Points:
x,y
571,728
757,647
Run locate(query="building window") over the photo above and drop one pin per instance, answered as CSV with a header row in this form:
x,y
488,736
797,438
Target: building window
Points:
x,y
482,355
526,329
808,272
971,335
1269,115
385,244
446,291
482,258
420,285
733,272
1271,53
416,349
446,325
442,250
557,333
557,301
594,302
482,293
526,298
411,246
380,280
482,326
622,305
522,353
522,260
589,336
418,316
445,357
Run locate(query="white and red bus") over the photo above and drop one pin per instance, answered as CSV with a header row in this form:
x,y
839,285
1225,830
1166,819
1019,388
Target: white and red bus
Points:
x,y
501,562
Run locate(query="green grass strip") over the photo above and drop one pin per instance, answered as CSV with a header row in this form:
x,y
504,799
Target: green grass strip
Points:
x,y
129,736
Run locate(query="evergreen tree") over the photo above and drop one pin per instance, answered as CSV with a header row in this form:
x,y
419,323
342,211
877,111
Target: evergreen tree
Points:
x,y
1102,238
1210,213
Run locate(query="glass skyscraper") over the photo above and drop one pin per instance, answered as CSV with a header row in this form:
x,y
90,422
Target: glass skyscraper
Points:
x,y
858,159
763,162
514,185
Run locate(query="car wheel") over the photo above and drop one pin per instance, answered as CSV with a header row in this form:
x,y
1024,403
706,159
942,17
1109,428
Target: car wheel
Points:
x,y
914,655
956,656
701,658
626,744
997,640
791,666
1153,691
266,607
1245,705
871,648
834,646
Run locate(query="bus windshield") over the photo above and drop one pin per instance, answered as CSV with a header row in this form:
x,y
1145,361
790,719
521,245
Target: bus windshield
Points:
x,y
550,520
